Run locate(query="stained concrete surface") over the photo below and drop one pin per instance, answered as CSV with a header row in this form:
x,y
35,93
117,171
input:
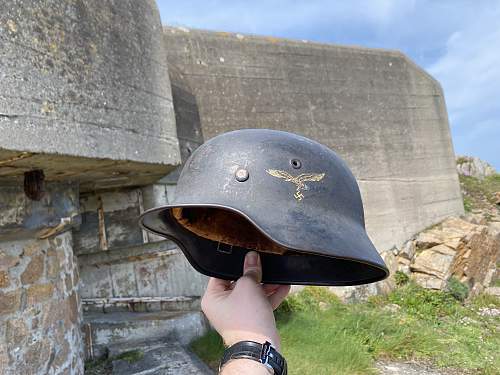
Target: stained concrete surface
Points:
x,y
383,114
163,359
85,92
117,330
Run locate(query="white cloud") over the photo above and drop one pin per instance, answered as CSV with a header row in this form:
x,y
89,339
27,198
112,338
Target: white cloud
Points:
x,y
470,71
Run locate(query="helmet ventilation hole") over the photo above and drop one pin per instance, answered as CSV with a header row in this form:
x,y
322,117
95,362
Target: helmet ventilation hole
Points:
x,y
296,163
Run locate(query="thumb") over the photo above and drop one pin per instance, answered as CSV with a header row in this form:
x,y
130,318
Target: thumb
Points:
x,y
252,267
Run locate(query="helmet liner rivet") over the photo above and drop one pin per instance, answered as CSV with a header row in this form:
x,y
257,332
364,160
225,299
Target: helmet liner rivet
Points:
x,y
241,175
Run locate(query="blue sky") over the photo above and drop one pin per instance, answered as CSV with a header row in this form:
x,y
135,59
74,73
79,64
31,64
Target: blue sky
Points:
x,y
458,42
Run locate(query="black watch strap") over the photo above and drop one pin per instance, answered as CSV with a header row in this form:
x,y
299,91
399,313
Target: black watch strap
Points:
x,y
263,353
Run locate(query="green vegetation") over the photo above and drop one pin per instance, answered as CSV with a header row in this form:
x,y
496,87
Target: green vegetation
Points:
x,y
104,366
99,366
468,204
462,159
401,278
457,289
479,193
130,356
321,335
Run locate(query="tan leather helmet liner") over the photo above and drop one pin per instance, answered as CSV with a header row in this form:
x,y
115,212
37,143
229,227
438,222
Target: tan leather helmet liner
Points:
x,y
224,226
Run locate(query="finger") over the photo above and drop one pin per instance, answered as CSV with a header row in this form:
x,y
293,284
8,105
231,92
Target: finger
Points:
x,y
252,267
217,285
270,288
279,295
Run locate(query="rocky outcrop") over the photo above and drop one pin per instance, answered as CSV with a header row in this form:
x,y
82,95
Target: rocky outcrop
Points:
x,y
474,167
456,247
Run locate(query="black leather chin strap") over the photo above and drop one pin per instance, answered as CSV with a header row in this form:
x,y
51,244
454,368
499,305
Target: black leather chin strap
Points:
x,y
263,353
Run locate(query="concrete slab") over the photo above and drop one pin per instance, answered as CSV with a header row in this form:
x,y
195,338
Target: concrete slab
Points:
x,y
126,328
160,358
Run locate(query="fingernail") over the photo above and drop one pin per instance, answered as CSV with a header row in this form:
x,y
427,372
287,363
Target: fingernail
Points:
x,y
252,259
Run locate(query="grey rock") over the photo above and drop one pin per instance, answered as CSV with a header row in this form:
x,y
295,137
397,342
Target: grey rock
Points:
x,y
408,249
435,261
474,167
411,368
493,290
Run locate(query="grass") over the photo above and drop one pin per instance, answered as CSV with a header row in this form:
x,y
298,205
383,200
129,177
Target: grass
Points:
x,y
104,364
468,204
131,356
321,335
479,193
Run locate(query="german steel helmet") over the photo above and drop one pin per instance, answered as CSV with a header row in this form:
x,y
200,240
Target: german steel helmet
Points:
x,y
290,198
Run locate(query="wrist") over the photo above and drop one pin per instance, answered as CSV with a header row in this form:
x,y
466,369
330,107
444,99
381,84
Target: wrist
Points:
x,y
264,355
242,366
232,338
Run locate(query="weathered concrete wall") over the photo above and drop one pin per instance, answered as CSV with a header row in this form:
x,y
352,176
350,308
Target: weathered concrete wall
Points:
x,y
153,270
132,263
85,92
40,312
21,217
109,220
385,116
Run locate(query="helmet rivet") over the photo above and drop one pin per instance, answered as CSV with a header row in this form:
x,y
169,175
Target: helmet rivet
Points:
x,y
241,175
296,163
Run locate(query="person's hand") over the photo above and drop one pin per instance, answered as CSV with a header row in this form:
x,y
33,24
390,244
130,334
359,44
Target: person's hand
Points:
x,y
243,310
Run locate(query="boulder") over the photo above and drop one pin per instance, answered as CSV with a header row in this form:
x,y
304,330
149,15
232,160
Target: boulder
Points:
x,y
404,265
496,197
455,247
435,261
354,293
478,219
408,250
450,232
476,259
428,281
493,290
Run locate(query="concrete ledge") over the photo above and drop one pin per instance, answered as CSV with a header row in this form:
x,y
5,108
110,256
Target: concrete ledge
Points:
x,y
85,92
141,304
126,328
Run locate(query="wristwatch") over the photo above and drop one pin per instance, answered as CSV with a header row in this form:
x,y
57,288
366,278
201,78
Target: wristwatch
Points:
x,y
263,353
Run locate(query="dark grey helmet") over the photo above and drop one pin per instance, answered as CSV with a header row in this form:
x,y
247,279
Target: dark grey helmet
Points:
x,y
290,198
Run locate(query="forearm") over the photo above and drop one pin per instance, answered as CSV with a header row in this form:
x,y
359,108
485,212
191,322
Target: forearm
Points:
x,y
244,367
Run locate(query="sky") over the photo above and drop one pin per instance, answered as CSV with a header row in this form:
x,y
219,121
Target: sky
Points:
x,y
456,41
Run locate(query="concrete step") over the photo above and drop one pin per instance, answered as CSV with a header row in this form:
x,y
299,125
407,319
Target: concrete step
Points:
x,y
105,330
158,358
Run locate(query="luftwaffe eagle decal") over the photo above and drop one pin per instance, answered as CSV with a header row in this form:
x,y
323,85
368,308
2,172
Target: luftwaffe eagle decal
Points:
x,y
298,181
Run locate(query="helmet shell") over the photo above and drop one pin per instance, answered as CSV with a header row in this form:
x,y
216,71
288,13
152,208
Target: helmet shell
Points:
x,y
296,192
